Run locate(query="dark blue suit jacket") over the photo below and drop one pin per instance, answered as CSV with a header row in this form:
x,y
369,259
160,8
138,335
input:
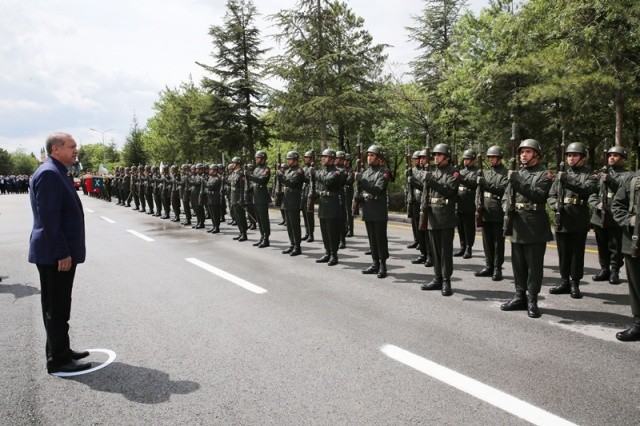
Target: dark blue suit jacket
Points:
x,y
58,218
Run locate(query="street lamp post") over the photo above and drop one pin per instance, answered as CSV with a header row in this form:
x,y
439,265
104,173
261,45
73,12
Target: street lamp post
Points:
x,y
104,148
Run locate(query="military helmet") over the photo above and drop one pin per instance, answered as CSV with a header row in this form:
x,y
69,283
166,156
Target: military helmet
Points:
x,y
236,160
134,168
469,154
292,155
495,151
530,143
347,157
147,167
329,153
422,153
174,168
442,148
185,166
577,148
617,149
199,166
310,154
127,169
340,154
375,149
416,155
261,154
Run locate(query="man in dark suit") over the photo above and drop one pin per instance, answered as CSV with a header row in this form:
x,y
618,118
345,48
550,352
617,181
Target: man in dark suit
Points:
x,y
57,246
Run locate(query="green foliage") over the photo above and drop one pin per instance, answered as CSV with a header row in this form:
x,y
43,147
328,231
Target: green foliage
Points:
x,y
133,152
22,163
6,164
91,156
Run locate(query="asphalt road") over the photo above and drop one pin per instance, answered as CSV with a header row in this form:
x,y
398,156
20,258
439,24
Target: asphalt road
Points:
x,y
207,330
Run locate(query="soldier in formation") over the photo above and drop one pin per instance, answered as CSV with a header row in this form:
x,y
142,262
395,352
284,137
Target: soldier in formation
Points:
x,y
328,185
307,204
466,204
259,181
292,181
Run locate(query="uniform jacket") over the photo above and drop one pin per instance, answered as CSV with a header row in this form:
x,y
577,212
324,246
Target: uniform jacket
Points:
x,y
623,208
373,182
236,187
577,188
196,184
466,202
442,191
618,174
531,222
328,185
259,179
292,181
58,218
495,182
213,187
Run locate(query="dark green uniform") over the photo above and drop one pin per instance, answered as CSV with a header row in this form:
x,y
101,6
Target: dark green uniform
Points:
x,y
236,195
126,191
135,187
579,183
625,208
465,210
308,214
421,236
259,179
212,190
175,194
373,184
495,182
292,181
328,184
608,233
196,183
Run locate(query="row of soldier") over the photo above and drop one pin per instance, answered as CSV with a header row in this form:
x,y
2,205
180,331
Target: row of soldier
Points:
x,y
14,184
443,198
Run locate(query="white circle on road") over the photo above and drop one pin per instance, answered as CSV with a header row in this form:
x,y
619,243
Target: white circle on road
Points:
x,y
110,353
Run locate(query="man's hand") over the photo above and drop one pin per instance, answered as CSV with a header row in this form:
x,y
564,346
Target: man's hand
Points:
x,y
64,265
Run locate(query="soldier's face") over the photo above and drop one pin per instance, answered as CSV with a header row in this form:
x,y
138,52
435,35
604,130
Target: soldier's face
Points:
x,y
371,158
467,162
422,161
494,161
292,162
615,159
259,160
440,159
575,159
326,160
528,157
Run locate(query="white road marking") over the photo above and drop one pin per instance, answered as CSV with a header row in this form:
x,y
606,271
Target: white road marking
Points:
x,y
107,219
486,393
139,235
110,353
88,210
227,276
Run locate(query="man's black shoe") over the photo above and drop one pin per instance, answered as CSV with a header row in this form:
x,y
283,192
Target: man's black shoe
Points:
x,y
296,251
575,289
343,244
78,355
382,273
497,274
563,288
459,252
237,237
372,269
532,306
287,250
603,275
631,334
310,239
333,260
614,278
243,237
413,245
306,236
484,272
467,253
264,243
367,253
215,230
257,243
446,287
419,259
518,303
70,367
429,262
323,259
435,284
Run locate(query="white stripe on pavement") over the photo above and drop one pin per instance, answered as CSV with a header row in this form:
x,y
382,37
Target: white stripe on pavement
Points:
x,y
88,210
486,393
107,219
227,276
139,235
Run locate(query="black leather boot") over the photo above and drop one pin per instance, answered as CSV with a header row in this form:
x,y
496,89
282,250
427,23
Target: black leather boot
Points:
x,y
413,245
287,250
484,272
310,239
467,253
243,237
296,251
603,275
372,269
435,284
382,273
562,288
615,277
518,303
446,287
497,274
419,259
333,259
631,334
264,243
343,244
459,253
257,243
429,262
575,289
323,259
532,306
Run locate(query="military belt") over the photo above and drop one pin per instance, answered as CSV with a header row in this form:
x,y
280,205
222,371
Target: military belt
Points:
x,y
368,196
574,201
257,185
287,189
462,189
327,193
418,192
490,195
439,201
529,206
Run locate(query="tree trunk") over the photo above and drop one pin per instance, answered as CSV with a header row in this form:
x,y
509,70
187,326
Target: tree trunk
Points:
x,y
619,105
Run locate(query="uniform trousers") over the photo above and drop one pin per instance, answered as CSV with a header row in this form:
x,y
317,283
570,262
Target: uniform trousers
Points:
x,y
186,204
175,204
441,241
293,227
149,196
238,213
378,242
571,246
421,236
609,241
493,243
262,212
632,267
330,235
55,297
309,219
466,229
527,261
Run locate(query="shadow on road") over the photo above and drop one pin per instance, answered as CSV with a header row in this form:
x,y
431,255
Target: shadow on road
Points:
x,y
19,290
138,384
604,319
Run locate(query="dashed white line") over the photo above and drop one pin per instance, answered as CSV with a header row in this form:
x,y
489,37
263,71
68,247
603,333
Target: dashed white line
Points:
x,y
139,235
486,393
227,276
88,210
107,219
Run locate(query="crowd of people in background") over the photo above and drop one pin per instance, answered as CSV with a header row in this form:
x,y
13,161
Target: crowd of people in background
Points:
x,y
14,184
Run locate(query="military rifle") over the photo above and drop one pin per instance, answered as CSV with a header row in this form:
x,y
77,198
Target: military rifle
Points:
x,y
479,192
560,187
355,206
311,199
425,201
410,197
604,189
277,187
510,206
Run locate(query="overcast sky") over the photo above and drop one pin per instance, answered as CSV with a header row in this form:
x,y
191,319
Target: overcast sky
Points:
x,y
76,65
